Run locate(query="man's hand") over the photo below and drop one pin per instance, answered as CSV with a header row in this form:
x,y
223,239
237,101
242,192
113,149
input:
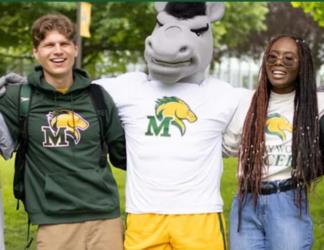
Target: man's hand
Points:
x,y
11,78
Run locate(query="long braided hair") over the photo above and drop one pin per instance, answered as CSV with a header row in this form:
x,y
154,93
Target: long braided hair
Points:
x,y
306,155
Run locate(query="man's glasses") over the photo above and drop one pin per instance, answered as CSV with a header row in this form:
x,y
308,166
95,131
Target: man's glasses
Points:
x,y
288,61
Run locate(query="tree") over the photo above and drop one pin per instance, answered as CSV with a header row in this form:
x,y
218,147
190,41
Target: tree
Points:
x,y
16,20
282,18
240,21
118,31
313,8
121,29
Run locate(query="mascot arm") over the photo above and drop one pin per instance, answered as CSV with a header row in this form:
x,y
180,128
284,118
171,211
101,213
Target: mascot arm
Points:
x,y
7,145
11,78
320,101
233,132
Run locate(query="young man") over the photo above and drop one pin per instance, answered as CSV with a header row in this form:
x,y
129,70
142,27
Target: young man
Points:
x,y
68,193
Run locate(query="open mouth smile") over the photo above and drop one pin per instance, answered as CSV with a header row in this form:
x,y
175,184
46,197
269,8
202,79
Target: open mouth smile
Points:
x,y
278,73
58,60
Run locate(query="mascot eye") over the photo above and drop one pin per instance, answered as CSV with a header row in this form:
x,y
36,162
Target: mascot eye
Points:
x,y
200,31
159,23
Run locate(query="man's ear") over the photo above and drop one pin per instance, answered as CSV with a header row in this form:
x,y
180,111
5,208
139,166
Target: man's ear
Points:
x,y
35,53
76,50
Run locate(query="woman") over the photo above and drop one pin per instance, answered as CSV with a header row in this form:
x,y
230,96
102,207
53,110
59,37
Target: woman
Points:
x,y
279,154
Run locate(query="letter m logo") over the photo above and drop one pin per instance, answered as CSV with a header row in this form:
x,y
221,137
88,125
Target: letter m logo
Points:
x,y
54,139
155,129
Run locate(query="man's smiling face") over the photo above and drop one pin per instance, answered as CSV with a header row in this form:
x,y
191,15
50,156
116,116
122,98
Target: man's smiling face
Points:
x,y
56,53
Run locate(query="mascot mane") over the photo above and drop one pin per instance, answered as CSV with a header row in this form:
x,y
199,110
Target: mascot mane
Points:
x,y
185,10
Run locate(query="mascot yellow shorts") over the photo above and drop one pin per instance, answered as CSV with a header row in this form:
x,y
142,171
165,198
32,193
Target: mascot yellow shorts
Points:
x,y
175,232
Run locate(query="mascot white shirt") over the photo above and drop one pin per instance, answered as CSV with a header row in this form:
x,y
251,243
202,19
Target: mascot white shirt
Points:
x,y
174,142
174,118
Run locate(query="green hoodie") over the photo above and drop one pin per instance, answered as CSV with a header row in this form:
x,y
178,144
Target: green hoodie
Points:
x,y
64,182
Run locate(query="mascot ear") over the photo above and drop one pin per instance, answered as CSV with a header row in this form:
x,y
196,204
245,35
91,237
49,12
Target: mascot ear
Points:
x,y
215,10
159,6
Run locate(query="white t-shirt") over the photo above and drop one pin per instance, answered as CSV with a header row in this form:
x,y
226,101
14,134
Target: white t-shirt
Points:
x,y
174,142
278,133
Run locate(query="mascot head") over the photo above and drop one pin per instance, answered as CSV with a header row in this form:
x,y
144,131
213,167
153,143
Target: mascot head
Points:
x,y
180,47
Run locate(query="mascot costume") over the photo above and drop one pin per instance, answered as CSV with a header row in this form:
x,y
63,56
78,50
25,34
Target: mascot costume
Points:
x,y
174,119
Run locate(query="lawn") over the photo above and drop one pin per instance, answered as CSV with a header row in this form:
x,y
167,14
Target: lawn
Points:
x,y
16,221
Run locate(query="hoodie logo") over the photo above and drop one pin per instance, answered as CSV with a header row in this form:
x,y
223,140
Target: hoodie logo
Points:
x,y
63,124
24,99
169,110
278,125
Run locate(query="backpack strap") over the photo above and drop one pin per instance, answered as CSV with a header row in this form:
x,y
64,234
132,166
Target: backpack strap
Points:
x,y
24,100
29,239
24,105
102,111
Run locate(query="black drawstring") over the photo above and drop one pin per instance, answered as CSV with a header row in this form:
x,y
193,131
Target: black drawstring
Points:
x,y
74,126
242,198
239,217
240,201
29,239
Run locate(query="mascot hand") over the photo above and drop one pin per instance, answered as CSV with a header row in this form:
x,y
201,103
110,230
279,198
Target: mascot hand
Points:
x,y
11,78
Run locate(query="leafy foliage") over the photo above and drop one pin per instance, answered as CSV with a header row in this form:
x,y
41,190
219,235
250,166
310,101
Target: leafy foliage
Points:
x,y
316,9
16,20
118,31
118,34
239,21
282,18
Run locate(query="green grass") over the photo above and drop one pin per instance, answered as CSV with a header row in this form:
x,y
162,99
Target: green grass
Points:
x,y
16,221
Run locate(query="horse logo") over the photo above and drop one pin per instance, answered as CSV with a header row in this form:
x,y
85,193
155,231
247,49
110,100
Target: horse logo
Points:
x,y
176,110
278,125
69,121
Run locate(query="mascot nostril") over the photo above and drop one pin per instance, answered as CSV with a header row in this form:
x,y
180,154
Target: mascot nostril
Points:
x,y
149,43
183,49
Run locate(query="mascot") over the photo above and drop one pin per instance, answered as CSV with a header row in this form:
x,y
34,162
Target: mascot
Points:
x,y
174,119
